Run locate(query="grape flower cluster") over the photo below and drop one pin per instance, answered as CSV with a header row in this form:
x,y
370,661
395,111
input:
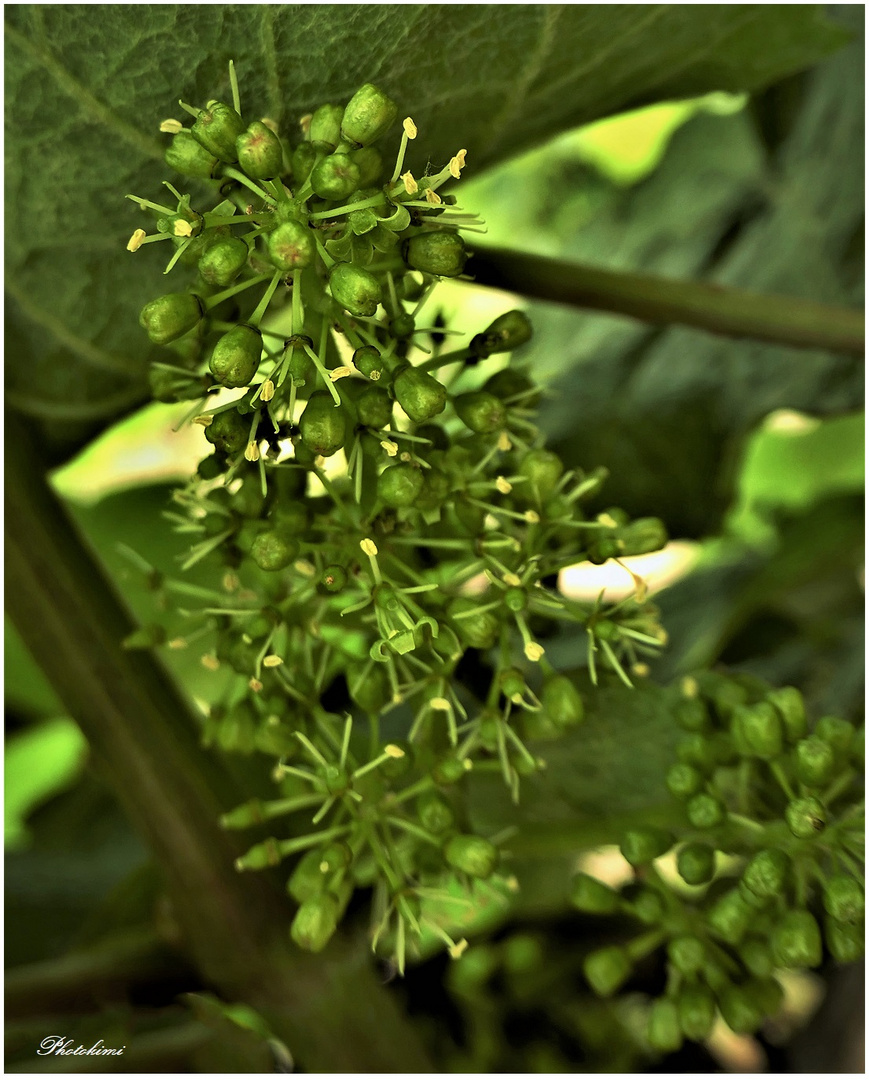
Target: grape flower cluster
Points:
x,y
386,529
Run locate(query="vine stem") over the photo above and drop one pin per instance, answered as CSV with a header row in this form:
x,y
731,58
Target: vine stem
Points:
x,y
330,1009
719,309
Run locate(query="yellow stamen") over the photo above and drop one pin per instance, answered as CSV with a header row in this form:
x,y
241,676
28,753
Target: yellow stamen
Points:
x,y
171,127
410,185
409,128
457,164
135,241
267,390
183,228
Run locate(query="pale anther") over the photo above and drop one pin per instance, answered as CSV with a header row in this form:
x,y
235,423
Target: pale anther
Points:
x,y
135,241
368,547
410,185
171,127
409,128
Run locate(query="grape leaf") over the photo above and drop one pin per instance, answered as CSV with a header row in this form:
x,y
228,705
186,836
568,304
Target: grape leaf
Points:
x,y
85,94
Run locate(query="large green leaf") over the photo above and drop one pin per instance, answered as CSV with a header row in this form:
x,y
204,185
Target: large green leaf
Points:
x,y
85,93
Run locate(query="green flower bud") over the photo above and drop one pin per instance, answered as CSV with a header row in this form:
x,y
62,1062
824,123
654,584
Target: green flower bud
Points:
x,y
472,855
335,177
542,469
259,152
223,261
844,898
323,425
506,333
767,874
696,750
211,467
402,326
370,163
355,289
400,485
334,578
805,817
217,128
307,880
664,1031
274,549
435,489
705,811
730,916
374,407
647,906
326,125
420,395
838,733
315,922
187,157
236,356
726,695
481,412
846,942
739,1009
692,715
788,702
368,115
305,157
757,730
369,362
514,387
684,780
696,1005
642,845
757,957
169,317
593,897
228,432
607,969
291,246
439,253
696,863
562,702
448,771
478,630
796,940
434,812
687,955
814,762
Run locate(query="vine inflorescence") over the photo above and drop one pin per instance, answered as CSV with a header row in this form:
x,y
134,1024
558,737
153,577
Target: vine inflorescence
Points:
x,y
382,516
